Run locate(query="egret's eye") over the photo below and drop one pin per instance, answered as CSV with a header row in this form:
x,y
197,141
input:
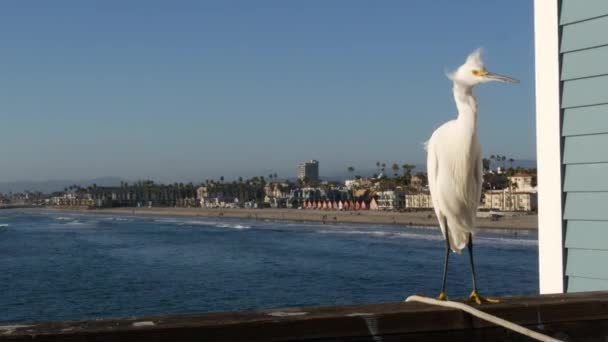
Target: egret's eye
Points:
x,y
480,72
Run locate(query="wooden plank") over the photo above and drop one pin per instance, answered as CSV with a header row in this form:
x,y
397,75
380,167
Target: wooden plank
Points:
x,y
584,35
585,120
585,92
577,10
585,63
586,149
586,206
587,263
580,284
557,315
587,234
586,177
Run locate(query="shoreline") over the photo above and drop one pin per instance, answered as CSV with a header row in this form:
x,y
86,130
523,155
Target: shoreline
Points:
x,y
420,218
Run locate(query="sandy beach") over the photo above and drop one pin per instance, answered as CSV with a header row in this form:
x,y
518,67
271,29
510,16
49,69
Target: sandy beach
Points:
x,y
422,218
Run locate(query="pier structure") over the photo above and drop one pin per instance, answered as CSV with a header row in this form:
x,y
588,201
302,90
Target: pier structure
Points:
x,y
567,317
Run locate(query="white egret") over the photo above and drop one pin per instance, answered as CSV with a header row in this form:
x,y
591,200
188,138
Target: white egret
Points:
x,y
455,166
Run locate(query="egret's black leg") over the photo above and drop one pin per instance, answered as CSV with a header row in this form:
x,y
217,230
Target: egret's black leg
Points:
x,y
470,248
475,296
442,295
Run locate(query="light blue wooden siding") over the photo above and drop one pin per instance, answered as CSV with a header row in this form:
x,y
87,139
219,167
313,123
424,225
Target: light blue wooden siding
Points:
x,y
585,120
584,34
585,91
584,76
580,284
587,234
578,176
592,148
579,10
585,63
587,206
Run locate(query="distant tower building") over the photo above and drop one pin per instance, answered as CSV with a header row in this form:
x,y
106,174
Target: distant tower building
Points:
x,y
309,169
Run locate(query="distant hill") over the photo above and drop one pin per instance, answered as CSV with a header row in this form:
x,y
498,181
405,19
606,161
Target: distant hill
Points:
x,y
55,185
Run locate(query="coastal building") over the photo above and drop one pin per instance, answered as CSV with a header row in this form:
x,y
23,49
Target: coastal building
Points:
x,y
508,200
73,199
571,49
390,200
523,181
309,170
277,190
418,200
361,183
418,181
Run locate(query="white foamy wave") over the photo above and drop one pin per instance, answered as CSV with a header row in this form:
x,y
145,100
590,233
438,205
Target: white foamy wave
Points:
x,y
194,223
482,240
233,226
75,223
64,218
355,232
119,219
4,225
505,241
214,224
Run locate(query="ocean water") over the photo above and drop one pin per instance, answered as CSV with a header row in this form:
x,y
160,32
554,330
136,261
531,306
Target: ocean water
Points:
x,y
57,266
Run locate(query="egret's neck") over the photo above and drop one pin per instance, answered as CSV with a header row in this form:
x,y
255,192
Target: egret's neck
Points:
x,y
466,105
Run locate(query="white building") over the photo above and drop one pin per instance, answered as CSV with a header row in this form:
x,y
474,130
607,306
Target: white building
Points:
x,y
420,200
522,181
390,200
506,200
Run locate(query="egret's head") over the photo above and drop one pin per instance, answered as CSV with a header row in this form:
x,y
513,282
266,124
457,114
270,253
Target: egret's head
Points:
x,y
473,72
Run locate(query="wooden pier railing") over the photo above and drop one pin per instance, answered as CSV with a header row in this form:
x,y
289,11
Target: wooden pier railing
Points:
x,y
569,317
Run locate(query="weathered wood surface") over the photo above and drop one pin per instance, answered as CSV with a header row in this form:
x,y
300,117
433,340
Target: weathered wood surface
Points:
x,y
570,317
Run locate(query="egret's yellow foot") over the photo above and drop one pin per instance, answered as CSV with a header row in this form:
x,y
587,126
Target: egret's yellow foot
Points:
x,y
477,298
442,296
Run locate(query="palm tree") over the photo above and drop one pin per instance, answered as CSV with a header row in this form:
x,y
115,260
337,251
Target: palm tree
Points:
x,y
407,172
395,169
350,170
423,177
486,164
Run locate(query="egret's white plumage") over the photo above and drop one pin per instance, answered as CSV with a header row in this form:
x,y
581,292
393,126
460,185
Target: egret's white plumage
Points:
x,y
454,156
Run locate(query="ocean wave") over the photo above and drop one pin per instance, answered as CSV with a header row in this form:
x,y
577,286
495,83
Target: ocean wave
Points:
x,y
116,218
76,223
481,240
506,241
193,223
4,225
64,218
203,223
233,226
357,232
213,224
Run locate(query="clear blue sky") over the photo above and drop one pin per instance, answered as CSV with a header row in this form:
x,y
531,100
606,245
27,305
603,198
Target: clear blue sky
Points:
x,y
187,90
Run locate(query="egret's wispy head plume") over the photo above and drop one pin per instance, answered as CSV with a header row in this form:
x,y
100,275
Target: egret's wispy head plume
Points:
x,y
475,57
449,74
473,72
473,61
